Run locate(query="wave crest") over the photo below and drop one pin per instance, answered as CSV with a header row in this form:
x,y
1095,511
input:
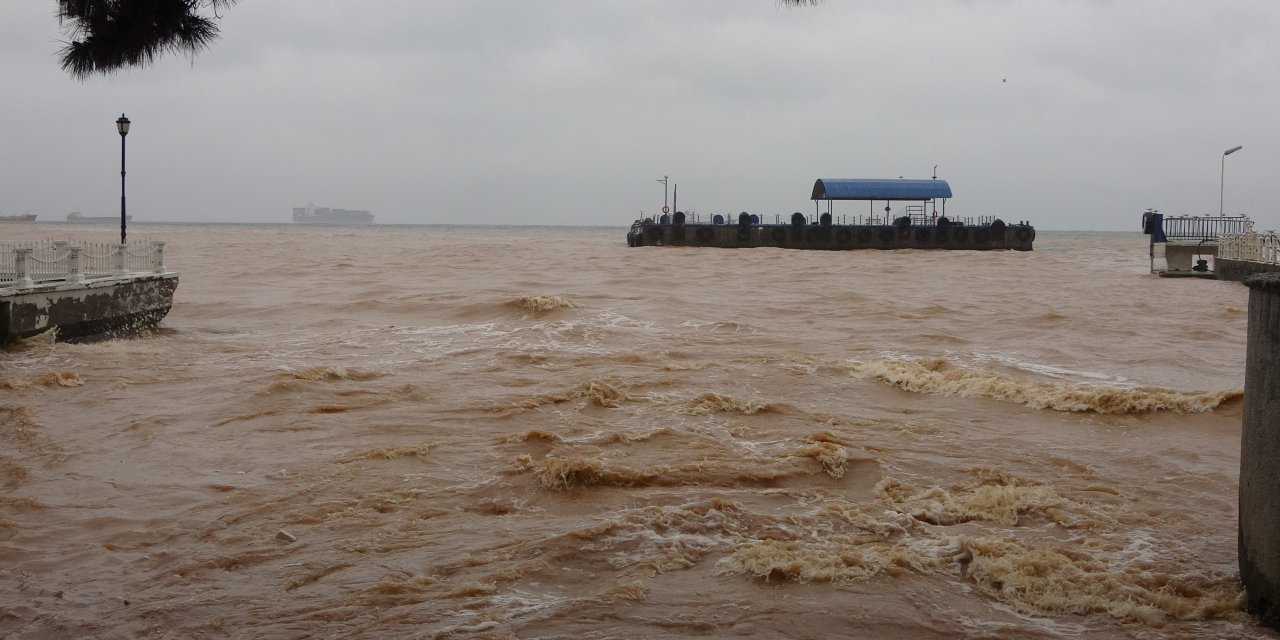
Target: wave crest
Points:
x,y
595,392
543,304
50,379
709,403
938,376
320,374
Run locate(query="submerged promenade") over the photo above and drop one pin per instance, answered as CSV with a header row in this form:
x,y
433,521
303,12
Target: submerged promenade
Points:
x,y
82,288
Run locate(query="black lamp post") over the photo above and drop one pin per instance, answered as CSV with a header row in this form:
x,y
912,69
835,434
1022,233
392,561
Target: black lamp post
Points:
x,y
122,125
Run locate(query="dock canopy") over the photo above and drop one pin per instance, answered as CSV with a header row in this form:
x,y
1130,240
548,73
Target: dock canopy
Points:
x,y
871,189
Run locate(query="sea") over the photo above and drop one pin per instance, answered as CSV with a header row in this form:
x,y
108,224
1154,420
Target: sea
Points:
x,y
539,432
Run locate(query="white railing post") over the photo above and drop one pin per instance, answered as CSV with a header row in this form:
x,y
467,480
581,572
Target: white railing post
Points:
x,y
22,268
1159,262
74,274
157,257
120,266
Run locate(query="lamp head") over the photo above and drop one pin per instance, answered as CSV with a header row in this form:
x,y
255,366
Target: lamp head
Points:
x,y
1232,150
122,125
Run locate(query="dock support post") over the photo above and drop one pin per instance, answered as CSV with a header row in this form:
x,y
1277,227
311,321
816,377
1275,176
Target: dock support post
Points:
x,y
1259,534
1158,260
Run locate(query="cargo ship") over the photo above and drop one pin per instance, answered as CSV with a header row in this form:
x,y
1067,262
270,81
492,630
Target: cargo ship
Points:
x,y
25,217
79,218
917,225
312,214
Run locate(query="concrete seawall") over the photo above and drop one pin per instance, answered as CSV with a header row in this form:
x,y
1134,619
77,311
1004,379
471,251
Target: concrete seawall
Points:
x,y
100,306
1259,544
834,237
1238,270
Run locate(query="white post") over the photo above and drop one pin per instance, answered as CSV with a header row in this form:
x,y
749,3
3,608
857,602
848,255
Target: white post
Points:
x,y
120,266
22,267
74,274
1159,262
157,257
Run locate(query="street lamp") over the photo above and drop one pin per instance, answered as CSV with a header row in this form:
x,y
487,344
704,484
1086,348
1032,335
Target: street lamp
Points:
x,y
122,125
1223,174
664,193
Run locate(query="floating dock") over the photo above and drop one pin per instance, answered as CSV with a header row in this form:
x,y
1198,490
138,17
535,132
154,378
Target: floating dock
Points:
x,y
913,229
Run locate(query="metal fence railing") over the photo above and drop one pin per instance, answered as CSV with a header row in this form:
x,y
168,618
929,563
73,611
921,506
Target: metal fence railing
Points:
x,y
1252,247
1204,228
26,264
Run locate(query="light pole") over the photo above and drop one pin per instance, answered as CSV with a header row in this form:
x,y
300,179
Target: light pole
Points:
x,y
664,193
1223,175
122,125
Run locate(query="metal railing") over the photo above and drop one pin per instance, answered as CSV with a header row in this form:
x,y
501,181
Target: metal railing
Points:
x,y
1204,228
1251,247
26,264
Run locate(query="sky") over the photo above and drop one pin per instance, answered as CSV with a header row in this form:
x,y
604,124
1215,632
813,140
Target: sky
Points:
x,y
1070,114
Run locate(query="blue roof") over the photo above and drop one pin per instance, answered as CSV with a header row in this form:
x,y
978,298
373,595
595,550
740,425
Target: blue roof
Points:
x,y
870,189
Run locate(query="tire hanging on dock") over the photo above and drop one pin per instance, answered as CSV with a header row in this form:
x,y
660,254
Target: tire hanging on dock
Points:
x,y
844,236
778,234
704,234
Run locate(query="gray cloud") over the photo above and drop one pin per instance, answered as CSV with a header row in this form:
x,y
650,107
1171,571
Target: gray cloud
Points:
x,y
1074,115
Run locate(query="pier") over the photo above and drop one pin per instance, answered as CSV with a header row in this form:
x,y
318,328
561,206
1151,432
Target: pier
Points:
x,y
82,288
1188,246
1241,255
918,225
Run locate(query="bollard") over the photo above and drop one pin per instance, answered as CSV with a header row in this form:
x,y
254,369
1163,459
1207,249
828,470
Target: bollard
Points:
x,y
1259,535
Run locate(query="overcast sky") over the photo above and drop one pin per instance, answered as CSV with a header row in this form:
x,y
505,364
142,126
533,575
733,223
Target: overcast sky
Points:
x,y
1071,114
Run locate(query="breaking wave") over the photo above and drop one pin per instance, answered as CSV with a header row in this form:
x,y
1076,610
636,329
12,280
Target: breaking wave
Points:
x,y
319,374
50,379
709,403
596,392
543,304
391,453
938,376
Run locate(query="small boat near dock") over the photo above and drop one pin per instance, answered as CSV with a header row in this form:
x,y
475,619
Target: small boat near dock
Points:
x,y
918,225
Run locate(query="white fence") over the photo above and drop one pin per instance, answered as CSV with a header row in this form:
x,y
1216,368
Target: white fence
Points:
x,y
1253,247
26,264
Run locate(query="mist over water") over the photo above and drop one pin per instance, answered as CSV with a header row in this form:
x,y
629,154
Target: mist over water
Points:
x,y
542,433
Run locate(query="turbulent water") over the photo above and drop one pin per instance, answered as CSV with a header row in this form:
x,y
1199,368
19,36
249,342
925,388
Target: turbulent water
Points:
x,y
427,432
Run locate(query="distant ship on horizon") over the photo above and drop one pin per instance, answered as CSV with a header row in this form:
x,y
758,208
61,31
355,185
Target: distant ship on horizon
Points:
x,y
312,214
23,217
76,216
